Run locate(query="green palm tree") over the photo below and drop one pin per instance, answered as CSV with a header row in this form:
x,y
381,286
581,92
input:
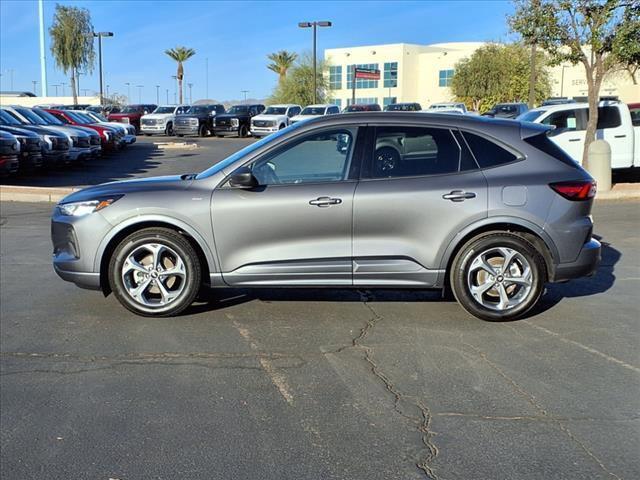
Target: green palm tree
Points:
x,y
180,55
281,63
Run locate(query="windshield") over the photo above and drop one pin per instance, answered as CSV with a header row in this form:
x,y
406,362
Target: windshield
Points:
x,y
131,109
98,116
275,111
164,110
8,119
530,116
313,111
78,117
246,151
238,109
197,109
32,117
47,117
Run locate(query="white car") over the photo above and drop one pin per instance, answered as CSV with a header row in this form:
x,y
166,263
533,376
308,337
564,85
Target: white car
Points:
x,y
274,118
162,119
457,107
314,111
570,119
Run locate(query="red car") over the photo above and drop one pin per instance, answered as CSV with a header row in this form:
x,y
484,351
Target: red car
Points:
x,y
108,135
131,114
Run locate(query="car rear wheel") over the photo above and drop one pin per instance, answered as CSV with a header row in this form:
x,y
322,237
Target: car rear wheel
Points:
x,y
242,131
498,276
169,129
203,131
155,272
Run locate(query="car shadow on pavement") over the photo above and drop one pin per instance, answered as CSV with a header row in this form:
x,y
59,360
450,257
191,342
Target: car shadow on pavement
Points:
x,y
600,282
124,164
216,299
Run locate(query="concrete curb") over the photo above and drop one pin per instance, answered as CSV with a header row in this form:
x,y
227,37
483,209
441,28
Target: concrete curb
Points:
x,y
10,193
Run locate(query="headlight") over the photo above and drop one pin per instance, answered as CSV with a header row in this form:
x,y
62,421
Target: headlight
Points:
x,y
235,122
49,141
79,209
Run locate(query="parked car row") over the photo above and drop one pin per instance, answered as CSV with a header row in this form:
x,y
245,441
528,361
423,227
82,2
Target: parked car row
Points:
x,y
33,138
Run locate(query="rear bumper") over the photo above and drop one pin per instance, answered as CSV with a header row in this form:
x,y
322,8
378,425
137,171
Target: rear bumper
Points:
x,y
585,265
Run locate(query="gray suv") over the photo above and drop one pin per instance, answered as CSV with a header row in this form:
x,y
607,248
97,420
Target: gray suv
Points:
x,y
491,209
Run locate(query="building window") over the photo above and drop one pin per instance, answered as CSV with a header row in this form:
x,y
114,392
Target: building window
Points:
x,y
361,82
444,79
388,101
363,101
335,77
391,74
336,101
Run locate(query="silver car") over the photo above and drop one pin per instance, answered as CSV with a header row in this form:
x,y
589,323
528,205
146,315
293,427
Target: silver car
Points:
x,y
490,209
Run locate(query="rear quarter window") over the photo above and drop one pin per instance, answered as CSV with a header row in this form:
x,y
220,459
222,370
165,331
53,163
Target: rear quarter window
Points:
x,y
487,153
608,117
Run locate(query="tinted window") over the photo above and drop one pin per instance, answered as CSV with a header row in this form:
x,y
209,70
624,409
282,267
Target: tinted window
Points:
x,y
608,117
565,120
334,110
321,157
542,142
487,153
414,151
635,116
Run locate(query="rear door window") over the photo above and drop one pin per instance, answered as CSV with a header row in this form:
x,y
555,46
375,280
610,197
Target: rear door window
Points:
x,y
415,151
487,153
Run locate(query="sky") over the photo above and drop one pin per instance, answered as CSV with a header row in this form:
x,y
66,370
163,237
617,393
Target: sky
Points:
x,y
234,37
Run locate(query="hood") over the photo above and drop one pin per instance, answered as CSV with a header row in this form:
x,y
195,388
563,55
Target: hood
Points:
x,y
128,186
125,115
187,116
223,116
43,130
263,116
299,118
14,130
158,116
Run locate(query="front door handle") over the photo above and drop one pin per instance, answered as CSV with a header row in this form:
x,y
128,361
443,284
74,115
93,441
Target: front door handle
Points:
x,y
458,196
325,201
574,139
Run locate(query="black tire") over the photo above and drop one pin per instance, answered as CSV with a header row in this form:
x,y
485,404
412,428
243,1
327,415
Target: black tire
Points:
x,y
174,241
242,131
282,125
169,130
461,277
147,134
202,131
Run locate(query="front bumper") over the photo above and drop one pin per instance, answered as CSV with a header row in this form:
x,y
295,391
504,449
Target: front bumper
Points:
x,y
187,129
153,129
585,265
263,131
8,164
75,243
226,130
79,154
55,157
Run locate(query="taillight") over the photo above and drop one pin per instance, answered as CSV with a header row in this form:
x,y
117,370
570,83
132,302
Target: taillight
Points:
x,y
582,190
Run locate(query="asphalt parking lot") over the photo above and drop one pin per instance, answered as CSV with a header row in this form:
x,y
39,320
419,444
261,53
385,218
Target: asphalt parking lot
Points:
x,y
313,384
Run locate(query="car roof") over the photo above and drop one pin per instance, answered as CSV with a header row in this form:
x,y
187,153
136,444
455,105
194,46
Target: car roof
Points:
x,y
570,106
287,105
321,105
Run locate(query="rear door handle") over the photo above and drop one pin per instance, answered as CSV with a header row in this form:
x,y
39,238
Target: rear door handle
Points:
x,y
619,136
325,201
458,196
574,139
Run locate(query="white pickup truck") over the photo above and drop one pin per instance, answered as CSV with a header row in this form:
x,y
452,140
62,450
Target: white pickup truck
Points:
x,y
615,125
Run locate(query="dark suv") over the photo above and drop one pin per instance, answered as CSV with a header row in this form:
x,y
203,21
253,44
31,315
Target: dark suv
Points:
x,y
403,107
236,120
369,107
198,120
132,114
507,110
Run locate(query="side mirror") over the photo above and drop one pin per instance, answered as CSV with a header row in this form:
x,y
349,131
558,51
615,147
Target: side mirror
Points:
x,y
243,178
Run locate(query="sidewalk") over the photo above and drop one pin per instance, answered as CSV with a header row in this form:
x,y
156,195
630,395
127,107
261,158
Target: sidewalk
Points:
x,y
10,193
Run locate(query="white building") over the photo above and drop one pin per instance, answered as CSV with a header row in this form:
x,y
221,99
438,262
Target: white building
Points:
x,y
422,73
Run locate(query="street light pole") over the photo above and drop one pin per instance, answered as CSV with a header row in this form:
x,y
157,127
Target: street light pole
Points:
x,y
167,96
62,84
158,94
56,87
128,92
190,94
245,95
35,82
314,25
100,35
139,87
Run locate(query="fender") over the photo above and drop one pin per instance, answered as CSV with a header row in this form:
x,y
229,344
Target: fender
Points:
x,y
211,259
454,243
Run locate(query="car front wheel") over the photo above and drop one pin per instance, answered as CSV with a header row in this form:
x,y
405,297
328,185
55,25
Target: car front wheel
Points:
x,y
498,276
242,131
155,272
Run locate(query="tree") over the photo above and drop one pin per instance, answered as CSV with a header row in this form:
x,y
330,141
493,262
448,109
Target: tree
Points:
x,y
180,55
297,86
596,33
281,62
72,42
499,73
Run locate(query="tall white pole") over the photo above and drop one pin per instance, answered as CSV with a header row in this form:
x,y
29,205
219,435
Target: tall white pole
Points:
x,y
43,60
